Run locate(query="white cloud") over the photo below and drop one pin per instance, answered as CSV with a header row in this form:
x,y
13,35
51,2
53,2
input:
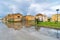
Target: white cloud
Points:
x,y
20,1
13,8
55,7
29,0
48,13
17,0
37,8
44,8
28,13
32,6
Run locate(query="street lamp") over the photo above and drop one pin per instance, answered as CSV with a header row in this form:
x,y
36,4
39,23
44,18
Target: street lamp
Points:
x,y
57,14
57,21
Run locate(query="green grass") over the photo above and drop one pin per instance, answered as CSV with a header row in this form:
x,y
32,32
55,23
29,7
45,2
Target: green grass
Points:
x,y
49,24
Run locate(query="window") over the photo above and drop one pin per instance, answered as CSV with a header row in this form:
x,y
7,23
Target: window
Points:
x,y
18,16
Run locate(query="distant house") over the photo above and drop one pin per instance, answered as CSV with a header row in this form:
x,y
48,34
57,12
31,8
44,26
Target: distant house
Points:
x,y
29,18
41,17
14,17
54,17
4,19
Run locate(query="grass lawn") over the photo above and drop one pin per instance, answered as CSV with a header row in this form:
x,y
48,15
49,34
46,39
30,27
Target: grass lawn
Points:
x,y
49,24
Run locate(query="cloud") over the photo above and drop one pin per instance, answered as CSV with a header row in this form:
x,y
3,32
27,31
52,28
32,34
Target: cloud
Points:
x,y
36,8
44,8
55,7
18,0
27,7
13,8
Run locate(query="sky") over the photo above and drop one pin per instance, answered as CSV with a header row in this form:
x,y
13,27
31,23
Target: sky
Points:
x,y
29,7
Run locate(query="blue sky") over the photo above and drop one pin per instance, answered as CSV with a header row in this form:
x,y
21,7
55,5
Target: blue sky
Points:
x,y
29,7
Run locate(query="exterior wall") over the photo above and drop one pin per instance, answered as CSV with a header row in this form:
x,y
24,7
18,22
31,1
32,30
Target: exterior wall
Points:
x,y
45,19
17,18
40,18
30,18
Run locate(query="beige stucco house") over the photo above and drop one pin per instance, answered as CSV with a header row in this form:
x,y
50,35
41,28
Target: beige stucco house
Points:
x,y
41,17
54,17
29,18
13,17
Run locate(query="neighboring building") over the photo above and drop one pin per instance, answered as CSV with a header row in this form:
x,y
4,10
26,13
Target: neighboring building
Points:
x,y
54,17
41,17
4,19
29,18
13,17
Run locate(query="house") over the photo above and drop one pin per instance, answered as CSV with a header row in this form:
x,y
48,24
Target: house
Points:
x,y
41,17
5,19
13,17
55,17
29,18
